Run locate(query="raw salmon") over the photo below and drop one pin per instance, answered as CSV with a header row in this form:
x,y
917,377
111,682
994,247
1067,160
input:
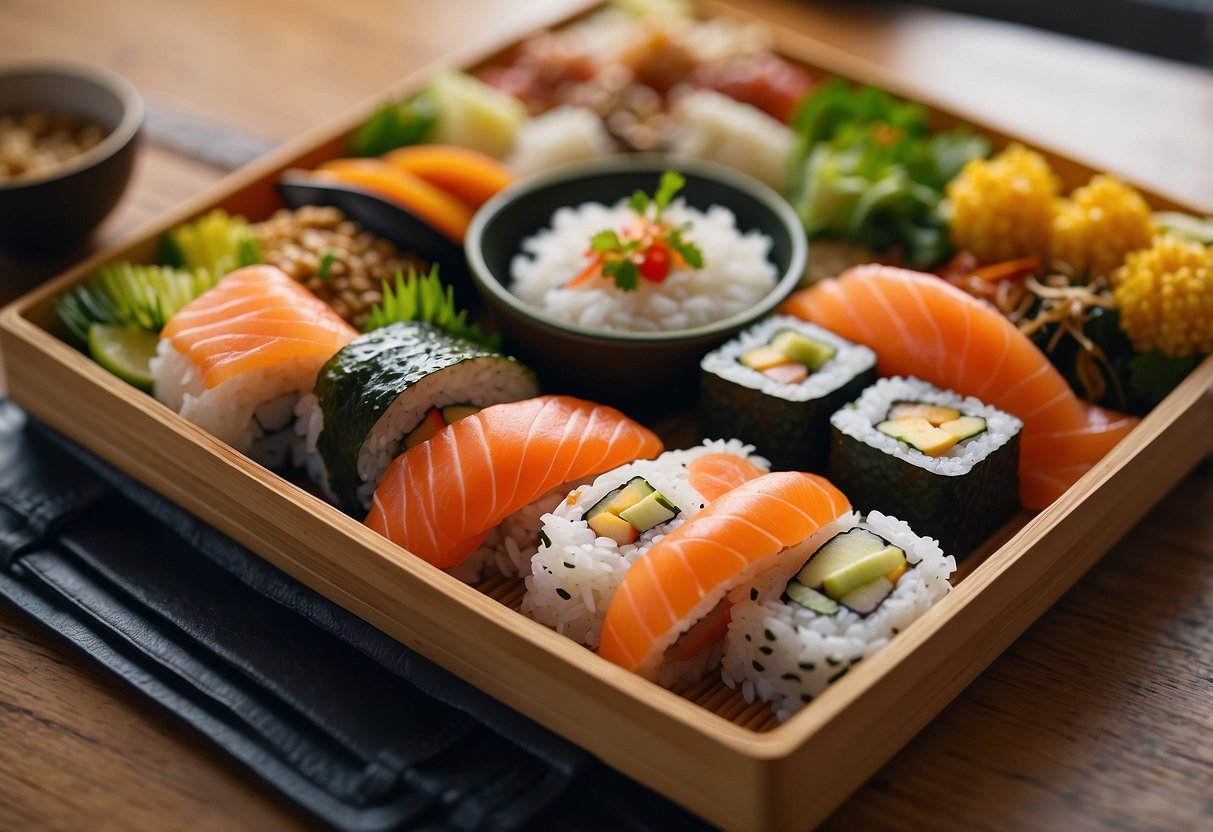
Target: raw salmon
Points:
x,y
921,326
714,474
254,318
684,578
440,498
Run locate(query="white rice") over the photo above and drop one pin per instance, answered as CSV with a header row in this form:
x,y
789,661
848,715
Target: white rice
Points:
x,y
559,136
849,361
859,421
737,272
785,654
710,125
479,381
252,411
573,578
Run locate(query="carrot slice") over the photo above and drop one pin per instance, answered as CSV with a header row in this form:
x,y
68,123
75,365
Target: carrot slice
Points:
x,y
466,174
435,206
586,274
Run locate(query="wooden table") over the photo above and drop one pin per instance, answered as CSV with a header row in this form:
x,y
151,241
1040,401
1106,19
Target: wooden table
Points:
x,y
1100,716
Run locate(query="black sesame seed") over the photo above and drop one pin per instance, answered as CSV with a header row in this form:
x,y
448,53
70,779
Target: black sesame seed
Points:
x,y
544,539
766,651
808,666
833,662
839,675
791,677
747,637
753,593
568,565
806,697
770,636
563,594
757,666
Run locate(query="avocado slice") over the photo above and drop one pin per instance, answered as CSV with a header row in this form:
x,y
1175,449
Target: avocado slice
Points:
x,y
863,571
650,511
810,599
613,526
763,358
430,424
918,433
868,597
965,427
933,413
621,498
802,350
454,412
840,550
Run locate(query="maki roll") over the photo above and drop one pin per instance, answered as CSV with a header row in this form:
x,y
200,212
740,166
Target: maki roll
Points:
x,y
668,619
776,385
593,536
236,359
463,498
391,389
945,462
789,639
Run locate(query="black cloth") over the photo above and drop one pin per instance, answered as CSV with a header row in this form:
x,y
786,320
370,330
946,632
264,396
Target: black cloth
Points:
x,y
339,717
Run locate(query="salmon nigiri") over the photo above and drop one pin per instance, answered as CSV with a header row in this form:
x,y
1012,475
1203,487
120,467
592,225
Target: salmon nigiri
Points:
x,y
672,603
921,326
440,498
235,359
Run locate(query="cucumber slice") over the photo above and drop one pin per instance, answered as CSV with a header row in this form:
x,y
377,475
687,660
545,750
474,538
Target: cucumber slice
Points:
x,y
839,551
810,599
802,350
649,512
622,498
964,427
863,571
472,114
868,597
124,351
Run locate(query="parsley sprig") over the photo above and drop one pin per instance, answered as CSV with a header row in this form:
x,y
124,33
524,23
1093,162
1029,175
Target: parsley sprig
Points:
x,y
649,254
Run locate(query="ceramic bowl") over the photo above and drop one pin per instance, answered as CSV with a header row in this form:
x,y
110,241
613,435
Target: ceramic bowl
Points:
x,y
650,370
61,208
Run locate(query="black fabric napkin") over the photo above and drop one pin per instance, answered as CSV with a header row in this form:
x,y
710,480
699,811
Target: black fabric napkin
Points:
x,y
338,716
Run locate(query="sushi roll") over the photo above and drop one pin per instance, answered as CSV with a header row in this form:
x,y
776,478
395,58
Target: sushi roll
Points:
x,y
492,474
668,619
788,640
389,390
775,386
946,463
593,536
236,359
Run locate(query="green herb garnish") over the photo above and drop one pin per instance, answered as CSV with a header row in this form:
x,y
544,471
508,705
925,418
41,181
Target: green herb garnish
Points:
x,y
125,294
649,249
326,265
216,242
426,299
394,125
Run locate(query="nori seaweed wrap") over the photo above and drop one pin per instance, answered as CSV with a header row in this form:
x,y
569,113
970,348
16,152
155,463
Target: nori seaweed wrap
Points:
x,y
787,422
959,496
393,385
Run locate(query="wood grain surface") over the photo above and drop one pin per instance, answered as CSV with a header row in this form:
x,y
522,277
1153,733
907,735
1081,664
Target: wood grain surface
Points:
x,y
1100,717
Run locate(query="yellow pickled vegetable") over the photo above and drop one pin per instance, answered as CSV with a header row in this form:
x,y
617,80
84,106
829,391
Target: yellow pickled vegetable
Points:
x,y
1002,208
1098,226
1165,295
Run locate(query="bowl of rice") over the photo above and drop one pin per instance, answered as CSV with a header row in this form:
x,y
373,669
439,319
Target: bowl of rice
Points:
x,y
619,304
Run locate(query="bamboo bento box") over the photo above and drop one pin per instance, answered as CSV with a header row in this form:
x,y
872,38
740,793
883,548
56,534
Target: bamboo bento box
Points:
x,y
731,763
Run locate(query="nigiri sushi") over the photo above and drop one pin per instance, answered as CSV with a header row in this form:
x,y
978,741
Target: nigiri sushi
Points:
x,y
442,497
235,360
670,613
921,326
588,543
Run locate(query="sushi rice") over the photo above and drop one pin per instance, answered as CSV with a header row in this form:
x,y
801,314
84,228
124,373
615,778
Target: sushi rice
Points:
x,y
574,573
783,653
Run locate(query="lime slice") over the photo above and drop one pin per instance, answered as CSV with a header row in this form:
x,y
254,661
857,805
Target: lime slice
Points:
x,y
124,351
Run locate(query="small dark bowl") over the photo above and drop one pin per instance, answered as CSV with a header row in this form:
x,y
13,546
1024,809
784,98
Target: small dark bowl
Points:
x,y
58,210
646,372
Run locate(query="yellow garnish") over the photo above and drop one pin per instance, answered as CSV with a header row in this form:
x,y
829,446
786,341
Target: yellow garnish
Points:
x,y
1165,295
1002,208
1098,226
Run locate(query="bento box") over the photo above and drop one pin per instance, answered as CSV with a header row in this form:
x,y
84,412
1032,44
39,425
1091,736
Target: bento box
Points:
x,y
732,762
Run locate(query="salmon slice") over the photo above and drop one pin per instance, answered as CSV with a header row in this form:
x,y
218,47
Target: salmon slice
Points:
x,y
714,474
685,577
255,317
921,326
440,498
